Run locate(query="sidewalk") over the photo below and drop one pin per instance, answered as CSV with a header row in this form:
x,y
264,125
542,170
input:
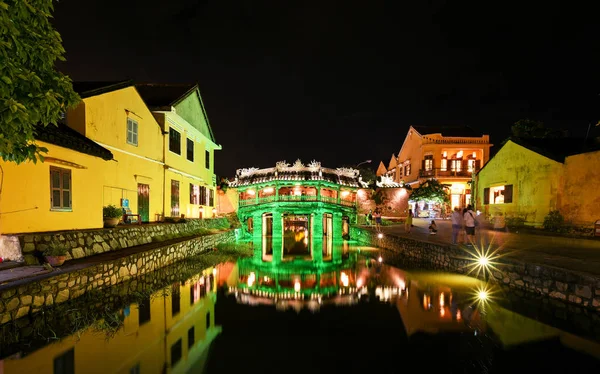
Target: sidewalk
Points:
x,y
582,255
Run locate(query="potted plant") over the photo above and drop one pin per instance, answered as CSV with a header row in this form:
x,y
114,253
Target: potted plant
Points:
x,y
55,254
112,215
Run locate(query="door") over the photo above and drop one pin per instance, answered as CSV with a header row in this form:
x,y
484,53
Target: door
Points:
x,y
174,198
144,202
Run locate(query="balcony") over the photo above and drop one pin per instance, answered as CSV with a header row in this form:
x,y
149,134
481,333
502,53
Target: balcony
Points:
x,y
294,198
439,173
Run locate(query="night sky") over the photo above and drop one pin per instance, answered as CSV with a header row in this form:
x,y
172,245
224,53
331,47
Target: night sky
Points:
x,y
340,82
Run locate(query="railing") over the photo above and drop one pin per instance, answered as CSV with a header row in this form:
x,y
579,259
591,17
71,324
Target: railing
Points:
x,y
292,198
465,173
456,140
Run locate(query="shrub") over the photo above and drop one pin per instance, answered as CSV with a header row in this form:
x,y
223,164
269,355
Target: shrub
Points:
x,y
554,221
112,211
515,221
55,249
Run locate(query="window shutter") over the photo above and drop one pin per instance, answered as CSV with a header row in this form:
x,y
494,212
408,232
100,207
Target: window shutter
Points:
x,y
508,194
423,165
192,194
486,196
477,165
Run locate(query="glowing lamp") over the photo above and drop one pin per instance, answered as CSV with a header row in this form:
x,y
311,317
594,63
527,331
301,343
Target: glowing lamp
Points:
x,y
251,192
214,271
345,193
297,286
344,279
268,190
483,261
482,295
380,259
380,235
251,279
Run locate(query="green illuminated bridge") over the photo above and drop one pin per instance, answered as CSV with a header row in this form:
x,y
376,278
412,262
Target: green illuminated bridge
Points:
x,y
296,206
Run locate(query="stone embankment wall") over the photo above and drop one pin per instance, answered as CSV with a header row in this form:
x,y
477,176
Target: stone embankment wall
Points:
x,y
85,243
574,287
22,300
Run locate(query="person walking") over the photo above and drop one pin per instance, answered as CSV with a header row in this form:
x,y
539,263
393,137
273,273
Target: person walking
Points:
x,y
408,222
457,222
470,223
377,216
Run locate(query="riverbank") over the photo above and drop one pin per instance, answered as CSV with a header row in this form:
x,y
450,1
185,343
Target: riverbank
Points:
x,y
27,296
523,267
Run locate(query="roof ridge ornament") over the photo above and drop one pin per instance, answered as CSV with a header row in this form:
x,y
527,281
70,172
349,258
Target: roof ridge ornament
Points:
x,y
347,172
246,172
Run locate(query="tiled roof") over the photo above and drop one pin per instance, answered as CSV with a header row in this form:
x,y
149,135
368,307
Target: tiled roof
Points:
x,y
458,131
64,136
557,149
159,95
88,89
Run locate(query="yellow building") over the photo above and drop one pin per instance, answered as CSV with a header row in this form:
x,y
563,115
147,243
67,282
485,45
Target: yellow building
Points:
x,y
527,179
450,154
63,192
116,117
169,332
189,145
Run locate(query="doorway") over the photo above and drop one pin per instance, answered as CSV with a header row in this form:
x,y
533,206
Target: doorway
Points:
x,y
296,236
144,202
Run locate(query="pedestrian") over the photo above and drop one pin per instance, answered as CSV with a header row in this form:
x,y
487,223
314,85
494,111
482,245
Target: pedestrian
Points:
x,y
470,223
457,222
370,217
377,216
432,228
408,222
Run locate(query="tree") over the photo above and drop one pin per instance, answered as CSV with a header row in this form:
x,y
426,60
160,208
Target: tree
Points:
x,y
433,191
527,128
32,92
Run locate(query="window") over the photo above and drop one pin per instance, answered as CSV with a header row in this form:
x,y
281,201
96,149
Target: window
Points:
x,y
444,165
174,141
175,300
175,353
428,163
135,369
456,165
191,337
471,165
211,196
203,195
498,194
132,132
144,311
190,150
207,159
407,169
60,189
65,363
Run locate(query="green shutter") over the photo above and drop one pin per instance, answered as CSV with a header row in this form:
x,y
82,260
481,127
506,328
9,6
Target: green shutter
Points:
x,y
486,196
508,194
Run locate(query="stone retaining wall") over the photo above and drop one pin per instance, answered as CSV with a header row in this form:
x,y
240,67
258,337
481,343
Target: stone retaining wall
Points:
x,y
20,301
574,287
90,242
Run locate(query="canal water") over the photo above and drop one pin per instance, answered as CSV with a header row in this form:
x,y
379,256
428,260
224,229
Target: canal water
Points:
x,y
352,313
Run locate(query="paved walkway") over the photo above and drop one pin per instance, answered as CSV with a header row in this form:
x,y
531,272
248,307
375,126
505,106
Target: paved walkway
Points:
x,y
571,253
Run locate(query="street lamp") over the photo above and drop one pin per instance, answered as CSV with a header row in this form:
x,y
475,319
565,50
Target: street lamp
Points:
x,y
364,162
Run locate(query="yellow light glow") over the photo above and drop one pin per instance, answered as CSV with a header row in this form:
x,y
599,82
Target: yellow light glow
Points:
x,y
214,271
380,259
444,154
345,193
442,312
344,279
401,284
297,286
251,279
359,283
251,192
458,316
380,235
459,154
482,295
474,154
442,299
268,190
483,261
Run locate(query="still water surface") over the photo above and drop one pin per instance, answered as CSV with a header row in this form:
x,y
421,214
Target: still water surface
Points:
x,y
351,315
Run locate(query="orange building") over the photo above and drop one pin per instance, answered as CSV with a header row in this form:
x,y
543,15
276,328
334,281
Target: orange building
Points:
x,y
450,154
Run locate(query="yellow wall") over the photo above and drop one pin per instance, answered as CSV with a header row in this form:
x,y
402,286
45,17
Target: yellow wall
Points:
x,y
179,168
148,344
580,198
411,150
104,120
536,183
25,204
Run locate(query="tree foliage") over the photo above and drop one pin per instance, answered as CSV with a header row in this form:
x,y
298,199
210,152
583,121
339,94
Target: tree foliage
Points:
x,y
527,128
432,191
32,92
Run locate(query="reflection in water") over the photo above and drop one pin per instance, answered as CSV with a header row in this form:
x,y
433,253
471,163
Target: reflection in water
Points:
x,y
170,329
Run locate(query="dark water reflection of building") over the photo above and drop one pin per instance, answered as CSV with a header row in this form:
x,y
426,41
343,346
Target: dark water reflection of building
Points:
x,y
168,331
